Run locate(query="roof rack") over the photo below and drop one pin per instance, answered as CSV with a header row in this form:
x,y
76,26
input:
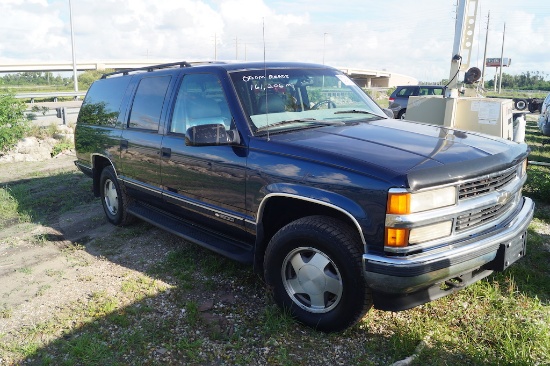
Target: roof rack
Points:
x,y
148,68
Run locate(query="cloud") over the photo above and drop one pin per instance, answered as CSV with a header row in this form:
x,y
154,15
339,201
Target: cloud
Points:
x,y
413,38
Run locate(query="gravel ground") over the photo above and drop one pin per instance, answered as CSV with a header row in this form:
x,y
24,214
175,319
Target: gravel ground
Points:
x,y
56,269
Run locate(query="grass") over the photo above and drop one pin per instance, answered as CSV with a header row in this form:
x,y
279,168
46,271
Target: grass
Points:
x,y
154,318
43,197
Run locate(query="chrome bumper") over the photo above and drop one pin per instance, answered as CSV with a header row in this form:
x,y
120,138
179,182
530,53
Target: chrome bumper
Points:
x,y
403,276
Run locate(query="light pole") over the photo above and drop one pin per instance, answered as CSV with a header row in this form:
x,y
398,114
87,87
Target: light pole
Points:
x,y
324,44
75,80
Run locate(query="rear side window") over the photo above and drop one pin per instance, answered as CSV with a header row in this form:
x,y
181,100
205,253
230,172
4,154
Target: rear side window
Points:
x,y
101,106
148,102
432,91
405,92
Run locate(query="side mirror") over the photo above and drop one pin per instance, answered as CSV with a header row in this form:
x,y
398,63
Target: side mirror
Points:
x,y
210,135
388,112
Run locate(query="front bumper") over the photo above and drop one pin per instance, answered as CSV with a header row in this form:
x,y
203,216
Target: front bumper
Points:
x,y
399,283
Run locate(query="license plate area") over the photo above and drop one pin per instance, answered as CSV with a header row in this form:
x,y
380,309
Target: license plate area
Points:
x,y
508,253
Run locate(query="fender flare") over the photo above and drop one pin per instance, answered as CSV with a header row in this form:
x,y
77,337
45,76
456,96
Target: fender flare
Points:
x,y
329,199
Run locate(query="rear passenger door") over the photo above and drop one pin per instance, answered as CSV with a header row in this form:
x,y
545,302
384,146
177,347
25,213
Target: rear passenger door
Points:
x,y
141,140
203,183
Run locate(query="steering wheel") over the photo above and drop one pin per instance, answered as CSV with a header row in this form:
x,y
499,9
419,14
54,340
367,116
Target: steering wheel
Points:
x,y
328,102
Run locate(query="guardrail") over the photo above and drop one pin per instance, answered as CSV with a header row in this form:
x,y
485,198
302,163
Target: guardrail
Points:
x,y
53,95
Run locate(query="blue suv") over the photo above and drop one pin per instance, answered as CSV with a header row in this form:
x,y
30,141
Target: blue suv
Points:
x,y
293,169
399,98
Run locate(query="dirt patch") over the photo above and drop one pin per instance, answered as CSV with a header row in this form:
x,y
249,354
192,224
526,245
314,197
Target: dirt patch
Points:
x,y
44,265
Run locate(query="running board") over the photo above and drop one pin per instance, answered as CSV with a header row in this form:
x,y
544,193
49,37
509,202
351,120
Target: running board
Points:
x,y
233,249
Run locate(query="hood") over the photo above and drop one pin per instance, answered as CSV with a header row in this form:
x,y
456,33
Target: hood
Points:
x,y
422,154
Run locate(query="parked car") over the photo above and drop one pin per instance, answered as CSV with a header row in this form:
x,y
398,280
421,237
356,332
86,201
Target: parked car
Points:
x,y
400,97
544,118
292,168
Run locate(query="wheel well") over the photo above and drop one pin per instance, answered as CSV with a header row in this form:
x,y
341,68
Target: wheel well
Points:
x,y
280,211
99,163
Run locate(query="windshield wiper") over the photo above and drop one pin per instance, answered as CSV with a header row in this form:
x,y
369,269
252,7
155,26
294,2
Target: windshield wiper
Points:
x,y
357,111
290,121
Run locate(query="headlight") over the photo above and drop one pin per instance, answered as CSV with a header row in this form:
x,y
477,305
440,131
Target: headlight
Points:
x,y
407,203
430,232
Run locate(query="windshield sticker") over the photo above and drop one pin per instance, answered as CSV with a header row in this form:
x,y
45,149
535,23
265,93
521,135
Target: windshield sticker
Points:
x,y
269,86
247,78
347,81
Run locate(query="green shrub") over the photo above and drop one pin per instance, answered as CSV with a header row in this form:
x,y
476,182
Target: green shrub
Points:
x,y
13,122
62,146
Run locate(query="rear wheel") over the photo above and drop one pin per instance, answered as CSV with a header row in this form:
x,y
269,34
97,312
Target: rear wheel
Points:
x,y
114,198
401,114
521,104
313,267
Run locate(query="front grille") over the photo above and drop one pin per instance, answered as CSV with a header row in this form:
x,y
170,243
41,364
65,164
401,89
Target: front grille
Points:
x,y
474,219
486,184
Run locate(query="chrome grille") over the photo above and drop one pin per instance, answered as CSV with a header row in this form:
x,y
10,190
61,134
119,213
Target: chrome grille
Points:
x,y
477,218
486,184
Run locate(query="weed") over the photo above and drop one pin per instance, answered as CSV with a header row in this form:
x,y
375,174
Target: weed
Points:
x,y
190,348
192,312
42,290
25,270
5,311
54,273
61,146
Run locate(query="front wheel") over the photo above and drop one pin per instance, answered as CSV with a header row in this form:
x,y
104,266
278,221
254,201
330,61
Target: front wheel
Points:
x,y
313,267
114,198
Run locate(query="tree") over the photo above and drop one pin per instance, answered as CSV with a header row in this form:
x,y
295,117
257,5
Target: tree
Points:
x,y
88,77
530,80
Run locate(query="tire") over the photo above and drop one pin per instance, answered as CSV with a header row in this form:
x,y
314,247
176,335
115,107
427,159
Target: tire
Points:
x,y
533,107
313,268
521,104
114,198
401,114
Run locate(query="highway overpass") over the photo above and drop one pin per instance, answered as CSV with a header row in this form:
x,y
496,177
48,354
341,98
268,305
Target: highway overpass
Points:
x,y
363,77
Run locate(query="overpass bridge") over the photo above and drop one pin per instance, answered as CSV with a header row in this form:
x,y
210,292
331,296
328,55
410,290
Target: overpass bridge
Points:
x,y
41,66
363,77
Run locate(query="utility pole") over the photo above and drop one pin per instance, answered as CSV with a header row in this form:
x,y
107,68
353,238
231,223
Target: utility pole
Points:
x,y
75,79
501,60
485,51
324,45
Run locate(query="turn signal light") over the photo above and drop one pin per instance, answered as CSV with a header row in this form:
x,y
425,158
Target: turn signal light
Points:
x,y
397,237
399,203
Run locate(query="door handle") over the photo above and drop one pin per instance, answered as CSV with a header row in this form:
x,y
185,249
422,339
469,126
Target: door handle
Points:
x,y
165,152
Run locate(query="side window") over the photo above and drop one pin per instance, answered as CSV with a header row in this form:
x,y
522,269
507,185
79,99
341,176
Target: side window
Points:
x,y
423,91
436,91
101,106
200,101
405,92
148,102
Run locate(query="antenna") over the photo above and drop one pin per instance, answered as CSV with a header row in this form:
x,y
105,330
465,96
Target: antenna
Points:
x,y
265,81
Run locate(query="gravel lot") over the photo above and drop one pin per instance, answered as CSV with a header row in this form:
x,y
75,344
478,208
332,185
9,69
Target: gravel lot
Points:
x,y
77,290
56,267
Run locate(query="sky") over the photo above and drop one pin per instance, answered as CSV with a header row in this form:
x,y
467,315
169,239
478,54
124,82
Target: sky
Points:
x,y
409,37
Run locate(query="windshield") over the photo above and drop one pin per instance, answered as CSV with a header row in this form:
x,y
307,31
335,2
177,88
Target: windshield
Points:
x,y
281,98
